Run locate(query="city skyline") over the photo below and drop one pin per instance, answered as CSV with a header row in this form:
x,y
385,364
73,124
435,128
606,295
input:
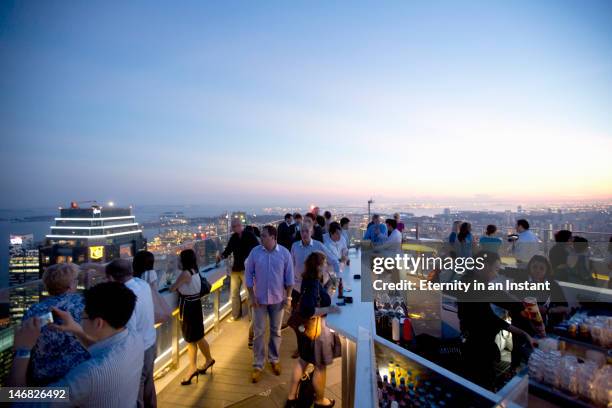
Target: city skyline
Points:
x,y
308,102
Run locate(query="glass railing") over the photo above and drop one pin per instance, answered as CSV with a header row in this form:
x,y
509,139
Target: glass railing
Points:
x,y
16,300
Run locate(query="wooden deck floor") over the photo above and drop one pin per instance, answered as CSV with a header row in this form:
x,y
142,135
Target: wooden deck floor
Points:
x,y
230,382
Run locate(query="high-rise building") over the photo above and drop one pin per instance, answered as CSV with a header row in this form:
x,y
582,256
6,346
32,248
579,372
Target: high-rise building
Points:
x,y
94,234
23,268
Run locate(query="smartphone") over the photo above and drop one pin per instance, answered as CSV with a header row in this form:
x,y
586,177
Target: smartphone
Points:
x,y
45,318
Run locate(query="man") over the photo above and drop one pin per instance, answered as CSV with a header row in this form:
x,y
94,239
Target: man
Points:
x,y
304,247
328,219
269,279
141,323
319,228
344,224
111,377
284,232
299,252
295,227
335,243
480,325
527,243
240,245
394,240
317,233
376,232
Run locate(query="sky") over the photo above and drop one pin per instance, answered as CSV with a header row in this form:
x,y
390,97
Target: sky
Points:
x,y
281,103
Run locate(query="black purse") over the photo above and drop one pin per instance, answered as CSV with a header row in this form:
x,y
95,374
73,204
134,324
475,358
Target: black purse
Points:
x,y
306,393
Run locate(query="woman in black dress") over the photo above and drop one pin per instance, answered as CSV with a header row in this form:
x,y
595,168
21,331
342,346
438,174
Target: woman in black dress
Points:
x,y
190,314
314,302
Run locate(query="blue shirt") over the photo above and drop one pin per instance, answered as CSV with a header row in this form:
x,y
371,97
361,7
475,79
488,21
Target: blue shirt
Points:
x,y
376,238
464,249
269,273
55,352
491,244
299,253
111,377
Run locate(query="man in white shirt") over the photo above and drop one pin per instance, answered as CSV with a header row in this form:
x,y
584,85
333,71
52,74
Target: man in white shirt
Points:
x,y
335,243
394,240
141,323
527,244
344,224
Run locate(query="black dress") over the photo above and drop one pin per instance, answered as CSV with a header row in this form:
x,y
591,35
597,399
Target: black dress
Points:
x,y
320,351
190,315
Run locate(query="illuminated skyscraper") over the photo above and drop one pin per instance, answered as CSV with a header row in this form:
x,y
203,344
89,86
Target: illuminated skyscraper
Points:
x,y
94,234
23,268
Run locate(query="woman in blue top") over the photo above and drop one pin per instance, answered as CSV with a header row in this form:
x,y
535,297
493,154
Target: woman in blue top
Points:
x,y
56,352
464,241
490,242
314,302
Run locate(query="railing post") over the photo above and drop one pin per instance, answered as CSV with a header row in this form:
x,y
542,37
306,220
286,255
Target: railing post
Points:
x,y
216,302
176,335
416,233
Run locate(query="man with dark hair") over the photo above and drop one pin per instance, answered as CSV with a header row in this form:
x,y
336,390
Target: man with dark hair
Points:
x,y
269,279
394,240
335,243
559,255
141,323
284,232
240,245
527,243
344,224
111,377
295,227
319,228
327,215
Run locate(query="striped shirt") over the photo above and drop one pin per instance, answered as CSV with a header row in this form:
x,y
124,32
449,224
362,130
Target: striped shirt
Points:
x,y
111,377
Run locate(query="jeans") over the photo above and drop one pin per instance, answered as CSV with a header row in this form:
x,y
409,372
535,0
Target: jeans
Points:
x,y
146,395
261,314
236,282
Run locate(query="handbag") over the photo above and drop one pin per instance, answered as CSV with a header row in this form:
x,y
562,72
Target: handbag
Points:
x,y
305,391
337,346
205,286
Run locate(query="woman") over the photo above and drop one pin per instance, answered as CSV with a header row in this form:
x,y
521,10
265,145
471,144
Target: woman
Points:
x,y
552,303
464,240
56,352
490,242
142,265
190,314
314,301
454,231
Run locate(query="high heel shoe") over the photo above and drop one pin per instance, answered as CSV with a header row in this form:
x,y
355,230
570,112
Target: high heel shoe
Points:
x,y
331,404
291,403
188,381
203,370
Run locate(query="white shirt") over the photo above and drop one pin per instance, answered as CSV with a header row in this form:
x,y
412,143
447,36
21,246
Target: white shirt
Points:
x,y
526,246
149,276
393,241
143,318
335,247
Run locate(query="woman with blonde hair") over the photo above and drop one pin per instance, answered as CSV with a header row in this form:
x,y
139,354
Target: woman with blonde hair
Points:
x,y
56,352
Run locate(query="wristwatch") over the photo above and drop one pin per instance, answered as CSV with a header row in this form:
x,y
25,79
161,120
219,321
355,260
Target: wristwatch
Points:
x,y
22,353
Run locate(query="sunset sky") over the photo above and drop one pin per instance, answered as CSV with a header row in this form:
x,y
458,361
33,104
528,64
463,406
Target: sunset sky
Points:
x,y
288,102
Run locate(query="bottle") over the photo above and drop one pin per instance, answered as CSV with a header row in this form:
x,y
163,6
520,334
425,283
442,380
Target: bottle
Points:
x,y
395,330
340,289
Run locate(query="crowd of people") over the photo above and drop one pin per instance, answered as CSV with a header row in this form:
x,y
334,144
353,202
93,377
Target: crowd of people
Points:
x,y
101,344
569,256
